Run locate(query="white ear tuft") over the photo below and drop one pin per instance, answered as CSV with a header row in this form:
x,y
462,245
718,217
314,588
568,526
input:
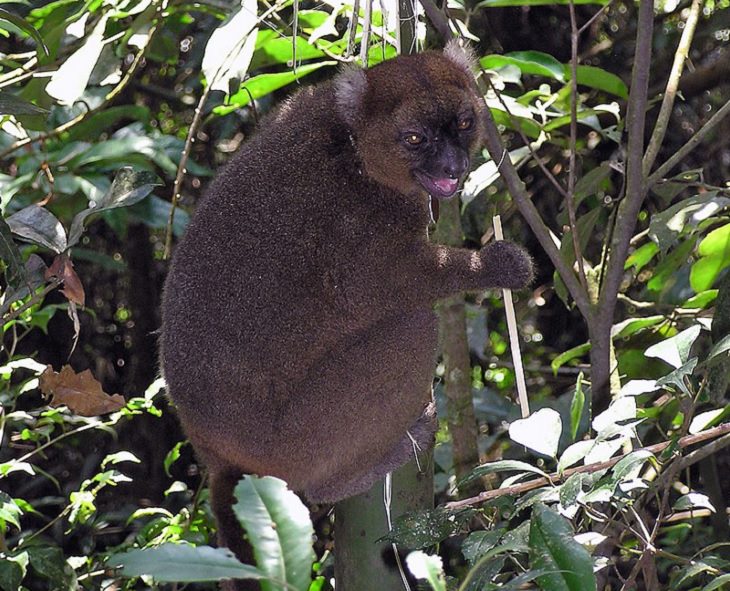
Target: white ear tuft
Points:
x,y
350,86
462,55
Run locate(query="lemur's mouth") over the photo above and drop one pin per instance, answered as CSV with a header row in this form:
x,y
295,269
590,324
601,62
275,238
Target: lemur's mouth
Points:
x,y
440,187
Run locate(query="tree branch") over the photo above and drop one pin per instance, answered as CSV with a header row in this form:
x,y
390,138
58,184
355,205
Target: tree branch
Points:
x,y
680,56
721,431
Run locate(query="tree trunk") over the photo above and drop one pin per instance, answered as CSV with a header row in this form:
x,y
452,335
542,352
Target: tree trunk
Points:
x,y
361,562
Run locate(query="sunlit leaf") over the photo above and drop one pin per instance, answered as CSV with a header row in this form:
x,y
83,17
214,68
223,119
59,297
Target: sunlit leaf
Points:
x,y
540,431
278,527
675,350
230,47
70,80
428,567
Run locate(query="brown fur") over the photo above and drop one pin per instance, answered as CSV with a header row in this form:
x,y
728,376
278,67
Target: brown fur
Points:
x,y
298,334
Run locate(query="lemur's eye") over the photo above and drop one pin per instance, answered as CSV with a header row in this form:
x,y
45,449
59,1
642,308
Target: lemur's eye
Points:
x,y
465,123
414,139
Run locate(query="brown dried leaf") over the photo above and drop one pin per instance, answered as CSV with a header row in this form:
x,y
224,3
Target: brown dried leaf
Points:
x,y
63,269
81,392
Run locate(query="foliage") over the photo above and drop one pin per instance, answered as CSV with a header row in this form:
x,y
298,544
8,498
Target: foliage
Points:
x,y
112,114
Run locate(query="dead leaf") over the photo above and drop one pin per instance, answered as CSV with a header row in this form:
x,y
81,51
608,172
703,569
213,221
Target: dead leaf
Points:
x,y
81,392
63,269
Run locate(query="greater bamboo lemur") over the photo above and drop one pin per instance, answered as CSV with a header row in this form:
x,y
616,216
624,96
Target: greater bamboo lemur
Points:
x,y
299,338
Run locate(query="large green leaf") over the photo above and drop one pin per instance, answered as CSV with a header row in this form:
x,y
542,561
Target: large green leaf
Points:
x,y
529,62
665,227
180,563
37,224
278,528
600,80
553,549
264,84
501,466
128,188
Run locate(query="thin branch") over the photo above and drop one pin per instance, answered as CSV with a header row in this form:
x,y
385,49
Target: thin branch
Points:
x,y
690,145
570,198
38,297
680,56
721,431
517,190
635,191
439,20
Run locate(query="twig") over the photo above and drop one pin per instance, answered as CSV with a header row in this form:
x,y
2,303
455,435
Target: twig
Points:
x,y
365,38
439,20
690,145
686,441
52,284
181,170
680,56
517,190
514,337
570,198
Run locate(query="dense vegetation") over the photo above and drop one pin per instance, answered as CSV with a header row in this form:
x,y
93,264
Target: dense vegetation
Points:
x,y
114,115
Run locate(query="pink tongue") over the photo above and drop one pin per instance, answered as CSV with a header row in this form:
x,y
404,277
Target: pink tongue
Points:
x,y
446,185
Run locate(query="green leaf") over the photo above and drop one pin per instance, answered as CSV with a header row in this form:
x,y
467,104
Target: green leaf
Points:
x,y
180,563
263,84
569,355
12,105
629,466
693,501
38,225
570,490
529,62
50,563
430,568
24,26
675,350
479,543
173,456
230,47
278,51
722,346
577,404
553,549
631,326
12,571
10,255
718,583
278,527
641,256
701,300
678,377
666,226
420,529
599,79
128,188
705,271
501,466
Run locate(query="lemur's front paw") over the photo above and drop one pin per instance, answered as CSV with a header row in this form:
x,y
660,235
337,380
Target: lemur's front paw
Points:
x,y
506,265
